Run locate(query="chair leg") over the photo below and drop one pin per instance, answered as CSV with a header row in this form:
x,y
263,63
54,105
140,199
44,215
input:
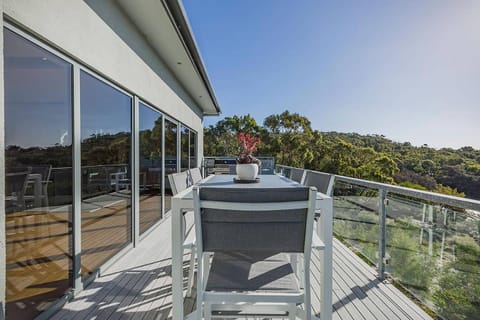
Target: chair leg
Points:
x,y
292,311
191,272
206,269
307,295
208,311
200,288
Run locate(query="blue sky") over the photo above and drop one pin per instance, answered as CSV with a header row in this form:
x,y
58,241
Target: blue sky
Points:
x,y
407,69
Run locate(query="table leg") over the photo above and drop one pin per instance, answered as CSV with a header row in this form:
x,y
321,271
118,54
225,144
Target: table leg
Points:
x,y
177,262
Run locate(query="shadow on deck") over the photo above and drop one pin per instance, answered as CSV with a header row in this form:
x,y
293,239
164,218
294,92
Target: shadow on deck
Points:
x,y
138,286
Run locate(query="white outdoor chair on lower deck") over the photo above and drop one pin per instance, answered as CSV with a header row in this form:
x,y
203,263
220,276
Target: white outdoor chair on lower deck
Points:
x,y
251,232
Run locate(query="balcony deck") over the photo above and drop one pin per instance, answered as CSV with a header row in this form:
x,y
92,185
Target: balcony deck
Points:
x,y
138,286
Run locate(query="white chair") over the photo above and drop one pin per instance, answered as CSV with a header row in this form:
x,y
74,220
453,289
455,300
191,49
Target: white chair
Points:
x,y
178,183
195,175
249,231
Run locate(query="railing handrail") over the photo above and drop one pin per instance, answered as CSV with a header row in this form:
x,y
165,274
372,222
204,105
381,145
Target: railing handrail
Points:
x,y
464,203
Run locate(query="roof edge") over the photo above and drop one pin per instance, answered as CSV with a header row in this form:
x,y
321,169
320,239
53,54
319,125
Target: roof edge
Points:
x,y
178,15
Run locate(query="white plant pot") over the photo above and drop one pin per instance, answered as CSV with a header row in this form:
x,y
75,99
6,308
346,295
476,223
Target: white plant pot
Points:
x,y
247,171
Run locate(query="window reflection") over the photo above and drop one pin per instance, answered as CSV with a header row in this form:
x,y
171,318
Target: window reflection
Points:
x,y
151,132
193,150
38,176
170,158
106,171
184,146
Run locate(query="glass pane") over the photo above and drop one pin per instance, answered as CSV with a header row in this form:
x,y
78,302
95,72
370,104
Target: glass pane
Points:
x,y
193,150
170,158
185,148
355,218
38,176
151,132
434,252
106,171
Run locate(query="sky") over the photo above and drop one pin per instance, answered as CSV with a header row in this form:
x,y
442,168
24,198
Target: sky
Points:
x,y
409,70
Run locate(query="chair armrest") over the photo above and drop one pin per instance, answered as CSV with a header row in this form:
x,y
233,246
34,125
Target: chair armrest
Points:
x,y
317,243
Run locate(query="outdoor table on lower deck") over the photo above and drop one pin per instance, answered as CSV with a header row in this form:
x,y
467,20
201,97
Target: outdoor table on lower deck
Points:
x,y
184,200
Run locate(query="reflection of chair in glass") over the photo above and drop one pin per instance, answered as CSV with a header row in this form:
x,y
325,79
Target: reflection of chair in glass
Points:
x,y
15,186
37,185
94,181
179,182
152,179
250,232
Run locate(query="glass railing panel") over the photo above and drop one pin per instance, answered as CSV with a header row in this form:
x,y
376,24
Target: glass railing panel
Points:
x,y
411,243
434,252
355,218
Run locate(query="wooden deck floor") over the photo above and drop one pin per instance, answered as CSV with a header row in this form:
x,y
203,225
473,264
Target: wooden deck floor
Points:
x,y
138,286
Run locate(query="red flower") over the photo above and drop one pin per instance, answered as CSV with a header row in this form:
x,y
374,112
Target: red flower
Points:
x,y
248,145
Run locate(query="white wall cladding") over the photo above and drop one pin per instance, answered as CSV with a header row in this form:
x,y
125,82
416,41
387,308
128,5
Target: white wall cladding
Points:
x,y
101,37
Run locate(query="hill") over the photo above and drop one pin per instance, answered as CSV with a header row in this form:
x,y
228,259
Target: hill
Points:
x,y
290,138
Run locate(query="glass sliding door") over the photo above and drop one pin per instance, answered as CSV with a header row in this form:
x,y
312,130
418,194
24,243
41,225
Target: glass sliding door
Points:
x,y
106,171
151,175
38,176
185,148
171,145
193,150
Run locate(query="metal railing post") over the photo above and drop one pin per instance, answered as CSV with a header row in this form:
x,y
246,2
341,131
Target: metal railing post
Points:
x,y
382,211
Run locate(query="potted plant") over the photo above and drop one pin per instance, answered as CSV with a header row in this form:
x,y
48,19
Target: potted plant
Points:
x,y
247,164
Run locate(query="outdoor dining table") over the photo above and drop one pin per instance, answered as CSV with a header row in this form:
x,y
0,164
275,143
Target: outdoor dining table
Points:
x,y
184,201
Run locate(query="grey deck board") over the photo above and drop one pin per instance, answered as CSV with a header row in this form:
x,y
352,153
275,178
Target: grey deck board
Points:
x,y
138,286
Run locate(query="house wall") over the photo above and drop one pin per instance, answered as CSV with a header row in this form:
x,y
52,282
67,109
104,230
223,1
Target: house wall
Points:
x,y
101,37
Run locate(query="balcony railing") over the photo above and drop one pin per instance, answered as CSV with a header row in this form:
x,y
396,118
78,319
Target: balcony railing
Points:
x,y
426,242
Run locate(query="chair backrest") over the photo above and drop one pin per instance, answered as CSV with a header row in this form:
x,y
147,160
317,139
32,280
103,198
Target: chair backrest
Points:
x,y
297,174
195,175
43,170
179,181
254,220
322,181
16,183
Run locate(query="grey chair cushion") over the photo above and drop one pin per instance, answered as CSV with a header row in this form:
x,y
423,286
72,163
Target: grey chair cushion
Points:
x,y
196,175
245,272
319,180
296,174
179,181
255,231
234,230
254,195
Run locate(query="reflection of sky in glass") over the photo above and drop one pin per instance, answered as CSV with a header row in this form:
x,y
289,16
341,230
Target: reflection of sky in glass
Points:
x,y
38,95
147,117
104,110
